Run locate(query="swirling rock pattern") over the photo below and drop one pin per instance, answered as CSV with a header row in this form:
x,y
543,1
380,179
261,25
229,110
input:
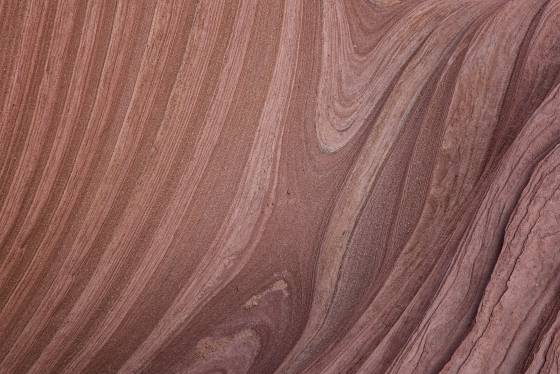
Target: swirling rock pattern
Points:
x,y
284,186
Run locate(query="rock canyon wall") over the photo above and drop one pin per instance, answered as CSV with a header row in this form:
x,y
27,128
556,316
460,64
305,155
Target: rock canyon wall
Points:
x,y
279,186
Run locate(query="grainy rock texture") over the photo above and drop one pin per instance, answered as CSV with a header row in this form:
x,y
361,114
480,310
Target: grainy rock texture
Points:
x,y
279,186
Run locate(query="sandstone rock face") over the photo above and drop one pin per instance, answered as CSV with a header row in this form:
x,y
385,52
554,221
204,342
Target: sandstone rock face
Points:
x,y
283,186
